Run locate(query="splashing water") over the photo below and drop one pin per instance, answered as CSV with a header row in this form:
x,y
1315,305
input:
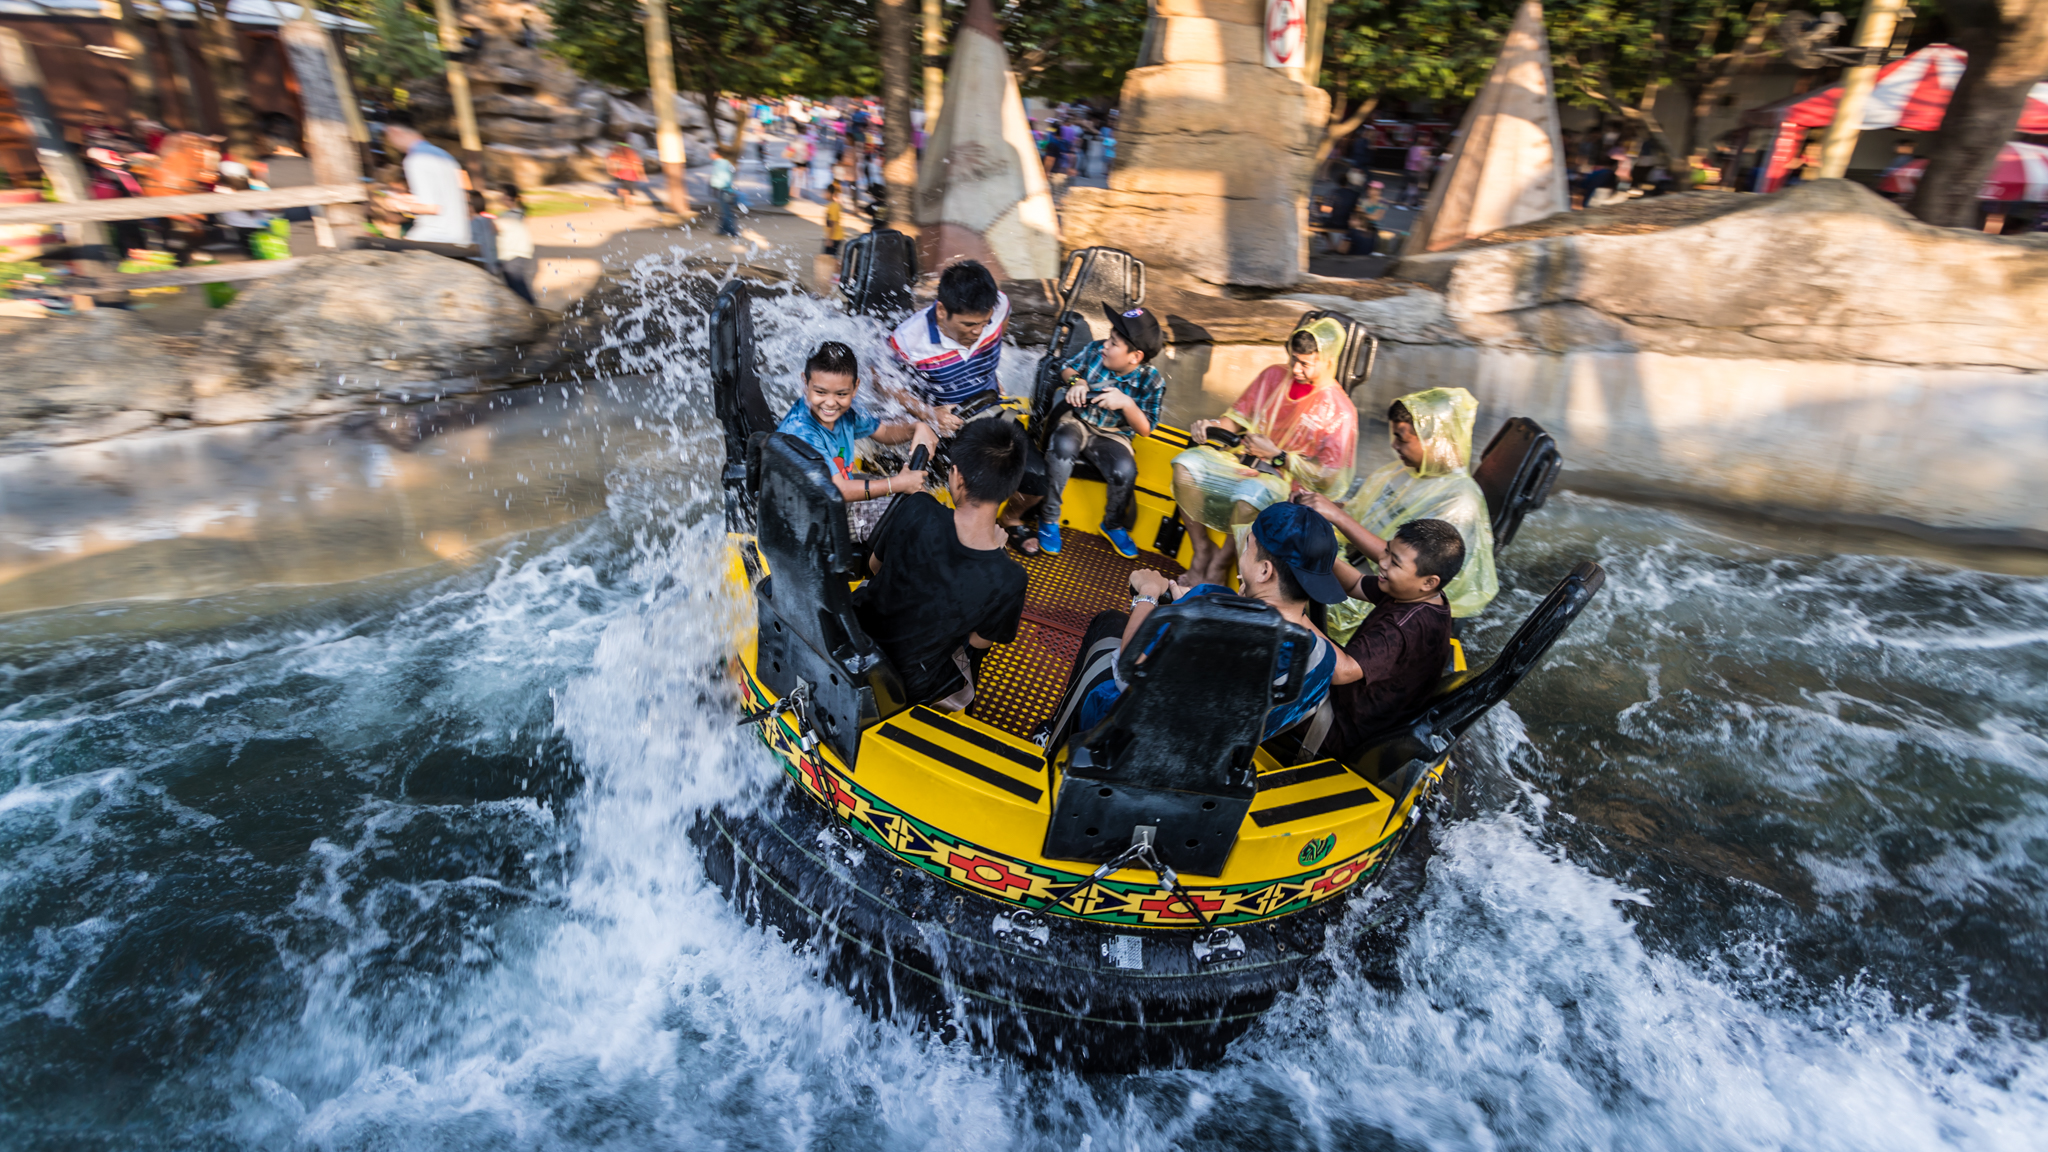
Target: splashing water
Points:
x,y
1756,860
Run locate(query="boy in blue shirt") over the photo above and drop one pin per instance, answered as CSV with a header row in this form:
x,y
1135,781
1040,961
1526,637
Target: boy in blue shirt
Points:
x,y
826,418
1113,394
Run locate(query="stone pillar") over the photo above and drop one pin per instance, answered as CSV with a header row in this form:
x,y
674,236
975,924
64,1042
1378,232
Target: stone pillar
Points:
x,y
1214,152
981,191
1507,167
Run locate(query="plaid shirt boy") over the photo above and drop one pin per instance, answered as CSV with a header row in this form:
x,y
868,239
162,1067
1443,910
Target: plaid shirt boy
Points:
x,y
1142,384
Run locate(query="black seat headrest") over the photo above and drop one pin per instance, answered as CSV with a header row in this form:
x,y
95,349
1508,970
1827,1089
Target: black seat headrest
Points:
x,y
1195,707
1398,748
1516,473
876,272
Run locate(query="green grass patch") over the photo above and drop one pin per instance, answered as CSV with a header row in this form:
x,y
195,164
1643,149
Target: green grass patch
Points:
x,y
542,204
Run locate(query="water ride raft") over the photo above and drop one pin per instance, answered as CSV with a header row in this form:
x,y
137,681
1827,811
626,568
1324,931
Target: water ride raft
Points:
x,y
1134,893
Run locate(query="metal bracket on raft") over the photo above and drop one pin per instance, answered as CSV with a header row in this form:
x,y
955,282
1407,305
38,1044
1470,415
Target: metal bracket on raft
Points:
x,y
1141,852
794,703
1022,928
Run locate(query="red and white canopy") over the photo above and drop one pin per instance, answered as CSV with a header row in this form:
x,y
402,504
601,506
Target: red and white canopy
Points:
x,y
1912,93
2020,173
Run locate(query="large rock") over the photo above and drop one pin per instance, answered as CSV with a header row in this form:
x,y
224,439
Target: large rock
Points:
x,y
351,328
564,130
86,377
1816,355
1825,271
981,190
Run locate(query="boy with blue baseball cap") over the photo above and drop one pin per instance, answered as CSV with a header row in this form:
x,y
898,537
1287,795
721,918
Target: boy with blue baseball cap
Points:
x,y
1288,559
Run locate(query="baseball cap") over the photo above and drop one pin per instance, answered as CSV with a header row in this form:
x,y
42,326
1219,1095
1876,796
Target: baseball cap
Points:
x,y
1139,328
1297,537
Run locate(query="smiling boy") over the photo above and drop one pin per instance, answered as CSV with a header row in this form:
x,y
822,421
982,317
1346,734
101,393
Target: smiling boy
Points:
x,y
826,418
1113,393
1402,647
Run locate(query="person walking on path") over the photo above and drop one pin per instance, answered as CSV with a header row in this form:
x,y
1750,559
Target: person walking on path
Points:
x,y
722,171
436,198
629,174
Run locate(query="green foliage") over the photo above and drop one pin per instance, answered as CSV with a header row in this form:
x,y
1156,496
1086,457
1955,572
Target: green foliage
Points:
x,y
1072,49
1062,49
401,49
758,47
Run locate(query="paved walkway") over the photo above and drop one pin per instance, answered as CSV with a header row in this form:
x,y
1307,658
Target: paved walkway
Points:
x,y
573,249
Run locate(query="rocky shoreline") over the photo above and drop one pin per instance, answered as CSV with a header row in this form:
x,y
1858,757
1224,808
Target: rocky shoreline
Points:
x,y
345,332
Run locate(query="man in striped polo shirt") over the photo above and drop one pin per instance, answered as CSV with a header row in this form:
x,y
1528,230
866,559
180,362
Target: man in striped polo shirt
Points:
x,y
954,346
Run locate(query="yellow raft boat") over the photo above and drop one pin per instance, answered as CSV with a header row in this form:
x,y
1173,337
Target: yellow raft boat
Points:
x,y
1136,892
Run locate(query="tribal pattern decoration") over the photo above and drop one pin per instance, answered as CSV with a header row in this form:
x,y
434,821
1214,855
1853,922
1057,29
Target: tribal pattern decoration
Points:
x,y
1000,876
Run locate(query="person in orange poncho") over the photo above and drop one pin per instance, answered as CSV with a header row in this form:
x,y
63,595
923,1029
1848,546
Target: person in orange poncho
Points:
x,y
1299,425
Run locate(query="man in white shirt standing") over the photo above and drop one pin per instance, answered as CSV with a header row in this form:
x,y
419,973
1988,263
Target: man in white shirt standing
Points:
x,y
437,201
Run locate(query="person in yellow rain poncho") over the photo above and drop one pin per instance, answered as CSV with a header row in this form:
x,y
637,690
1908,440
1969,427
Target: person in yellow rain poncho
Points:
x,y
1430,480
1296,420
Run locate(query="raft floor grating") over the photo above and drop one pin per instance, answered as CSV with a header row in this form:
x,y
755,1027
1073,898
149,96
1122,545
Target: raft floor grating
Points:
x,y
1021,681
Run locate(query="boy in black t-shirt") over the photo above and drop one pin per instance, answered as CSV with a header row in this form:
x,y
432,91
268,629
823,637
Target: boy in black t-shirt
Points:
x,y
944,588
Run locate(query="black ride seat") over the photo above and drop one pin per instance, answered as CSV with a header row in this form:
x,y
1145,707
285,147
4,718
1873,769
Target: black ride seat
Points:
x,y
1175,751
736,396
1394,758
808,630
876,270
1516,473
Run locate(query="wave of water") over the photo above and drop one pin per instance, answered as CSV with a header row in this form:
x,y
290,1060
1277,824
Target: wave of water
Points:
x,y
1755,861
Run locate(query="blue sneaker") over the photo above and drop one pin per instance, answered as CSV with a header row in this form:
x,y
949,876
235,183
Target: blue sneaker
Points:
x,y
1049,538
1121,541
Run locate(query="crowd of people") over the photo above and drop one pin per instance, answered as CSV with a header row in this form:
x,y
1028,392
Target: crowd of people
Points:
x,y
1391,560
418,194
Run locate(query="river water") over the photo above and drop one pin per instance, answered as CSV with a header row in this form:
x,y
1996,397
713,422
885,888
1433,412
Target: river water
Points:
x,y
386,855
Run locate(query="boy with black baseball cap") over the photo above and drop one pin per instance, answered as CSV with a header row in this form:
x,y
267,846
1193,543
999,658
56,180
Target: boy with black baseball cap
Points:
x,y
1113,393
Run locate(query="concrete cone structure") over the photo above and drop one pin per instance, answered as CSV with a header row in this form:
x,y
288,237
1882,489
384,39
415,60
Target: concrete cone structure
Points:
x,y
1508,164
981,190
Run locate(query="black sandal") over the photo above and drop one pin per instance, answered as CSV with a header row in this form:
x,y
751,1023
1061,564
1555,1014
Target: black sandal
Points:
x,y
1021,535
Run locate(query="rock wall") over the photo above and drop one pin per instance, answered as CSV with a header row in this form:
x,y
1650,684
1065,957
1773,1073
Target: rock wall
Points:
x,y
1814,355
1214,151
340,333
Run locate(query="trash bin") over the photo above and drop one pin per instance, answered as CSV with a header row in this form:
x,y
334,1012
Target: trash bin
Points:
x,y
778,186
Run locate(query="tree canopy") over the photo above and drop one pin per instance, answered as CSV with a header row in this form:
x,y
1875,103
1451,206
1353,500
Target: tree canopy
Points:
x,y
759,47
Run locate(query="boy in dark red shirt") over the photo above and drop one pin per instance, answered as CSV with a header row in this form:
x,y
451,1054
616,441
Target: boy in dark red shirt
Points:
x,y
1405,642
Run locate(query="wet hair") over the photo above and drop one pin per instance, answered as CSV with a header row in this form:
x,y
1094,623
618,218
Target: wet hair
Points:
x,y
1303,343
1439,550
835,358
1397,413
990,457
967,287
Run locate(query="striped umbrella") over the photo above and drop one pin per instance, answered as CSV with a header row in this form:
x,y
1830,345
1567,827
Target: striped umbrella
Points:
x,y
2020,173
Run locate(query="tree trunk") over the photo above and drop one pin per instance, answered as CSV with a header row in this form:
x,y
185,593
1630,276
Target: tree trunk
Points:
x,y
897,22
142,86
173,37
2008,45
222,47
1341,125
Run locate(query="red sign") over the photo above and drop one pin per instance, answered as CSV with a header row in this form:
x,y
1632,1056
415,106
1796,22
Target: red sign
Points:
x,y
1286,33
